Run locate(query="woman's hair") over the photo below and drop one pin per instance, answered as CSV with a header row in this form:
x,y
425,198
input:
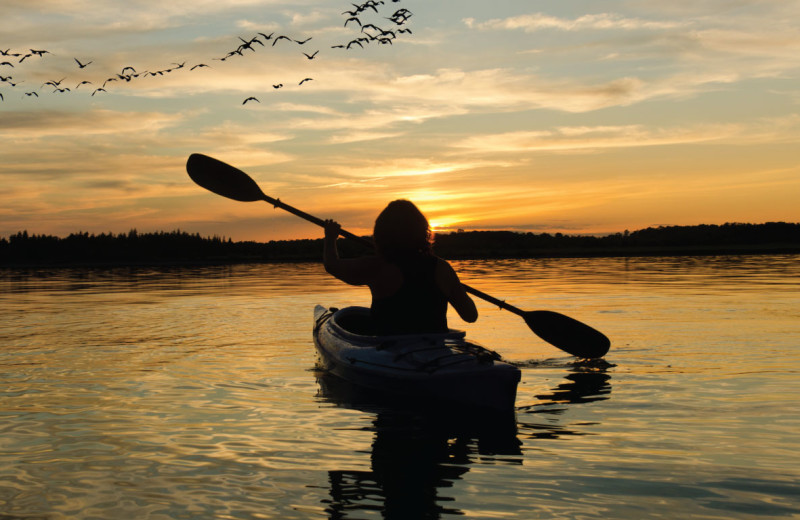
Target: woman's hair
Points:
x,y
402,231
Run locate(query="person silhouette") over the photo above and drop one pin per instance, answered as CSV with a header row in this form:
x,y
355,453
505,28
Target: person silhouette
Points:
x,y
410,286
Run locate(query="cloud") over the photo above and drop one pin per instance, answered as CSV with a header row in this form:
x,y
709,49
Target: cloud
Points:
x,y
588,138
19,125
600,21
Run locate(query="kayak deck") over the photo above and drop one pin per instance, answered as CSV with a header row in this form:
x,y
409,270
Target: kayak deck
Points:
x,y
442,366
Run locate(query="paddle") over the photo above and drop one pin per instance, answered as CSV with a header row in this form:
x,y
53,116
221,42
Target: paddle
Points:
x,y
568,334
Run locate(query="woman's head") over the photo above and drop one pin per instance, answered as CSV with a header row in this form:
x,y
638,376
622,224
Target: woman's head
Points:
x,y
401,230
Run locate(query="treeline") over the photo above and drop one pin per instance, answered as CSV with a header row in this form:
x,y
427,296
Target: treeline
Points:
x,y
151,248
662,240
182,247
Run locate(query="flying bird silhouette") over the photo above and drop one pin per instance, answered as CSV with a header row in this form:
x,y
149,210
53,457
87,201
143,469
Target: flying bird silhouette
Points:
x,y
199,65
302,42
251,98
55,84
279,85
310,57
98,90
281,37
306,79
81,65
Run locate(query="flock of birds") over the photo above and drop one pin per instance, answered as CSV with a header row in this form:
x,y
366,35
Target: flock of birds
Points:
x,y
368,33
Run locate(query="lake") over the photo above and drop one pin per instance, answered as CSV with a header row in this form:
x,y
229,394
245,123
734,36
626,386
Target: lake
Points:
x,y
185,393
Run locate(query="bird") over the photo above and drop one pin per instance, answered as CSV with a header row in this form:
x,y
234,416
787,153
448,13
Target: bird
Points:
x,y
306,79
126,68
281,37
279,85
32,93
40,53
7,63
302,42
251,98
265,36
310,57
248,44
55,84
84,82
199,65
98,90
65,89
81,65
1,97
231,53
352,18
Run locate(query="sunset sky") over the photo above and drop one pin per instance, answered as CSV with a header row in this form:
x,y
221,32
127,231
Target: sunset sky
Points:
x,y
558,116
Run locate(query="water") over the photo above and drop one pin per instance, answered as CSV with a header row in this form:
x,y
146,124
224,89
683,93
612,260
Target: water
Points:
x,y
191,393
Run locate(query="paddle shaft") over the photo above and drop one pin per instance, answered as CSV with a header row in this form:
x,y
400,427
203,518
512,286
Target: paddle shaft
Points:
x,y
278,203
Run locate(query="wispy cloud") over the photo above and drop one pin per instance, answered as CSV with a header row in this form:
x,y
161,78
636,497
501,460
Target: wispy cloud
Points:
x,y
600,21
585,138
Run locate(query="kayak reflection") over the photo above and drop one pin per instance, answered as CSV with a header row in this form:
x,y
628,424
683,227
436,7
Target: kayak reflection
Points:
x,y
418,451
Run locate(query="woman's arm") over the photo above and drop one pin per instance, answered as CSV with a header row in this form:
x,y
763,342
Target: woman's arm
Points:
x,y
354,271
449,283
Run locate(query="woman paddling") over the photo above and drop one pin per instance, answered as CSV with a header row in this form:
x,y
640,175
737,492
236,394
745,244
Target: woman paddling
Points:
x,y
410,286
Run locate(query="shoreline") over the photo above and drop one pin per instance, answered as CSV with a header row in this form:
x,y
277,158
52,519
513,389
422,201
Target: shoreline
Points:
x,y
618,252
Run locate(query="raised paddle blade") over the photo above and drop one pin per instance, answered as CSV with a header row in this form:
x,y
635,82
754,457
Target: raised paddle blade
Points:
x,y
223,179
568,334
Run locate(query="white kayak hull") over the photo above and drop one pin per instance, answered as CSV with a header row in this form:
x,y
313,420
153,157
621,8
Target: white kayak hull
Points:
x,y
444,367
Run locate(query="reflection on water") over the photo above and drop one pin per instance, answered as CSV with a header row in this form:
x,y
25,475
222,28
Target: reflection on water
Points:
x,y
419,451
191,393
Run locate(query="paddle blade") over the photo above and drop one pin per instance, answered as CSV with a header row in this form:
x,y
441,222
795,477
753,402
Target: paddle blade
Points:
x,y
222,178
568,334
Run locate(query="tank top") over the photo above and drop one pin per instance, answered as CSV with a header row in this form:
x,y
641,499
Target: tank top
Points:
x,y
418,306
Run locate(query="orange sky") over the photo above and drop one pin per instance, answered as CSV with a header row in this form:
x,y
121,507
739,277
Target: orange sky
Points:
x,y
575,117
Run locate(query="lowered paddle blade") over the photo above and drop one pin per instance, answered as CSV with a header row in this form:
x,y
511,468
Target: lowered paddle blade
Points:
x,y
568,334
223,179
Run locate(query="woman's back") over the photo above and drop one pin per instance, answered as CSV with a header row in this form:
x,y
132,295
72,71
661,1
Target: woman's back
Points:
x,y
417,305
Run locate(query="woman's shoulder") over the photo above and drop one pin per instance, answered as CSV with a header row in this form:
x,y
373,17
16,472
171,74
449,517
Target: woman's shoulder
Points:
x,y
445,273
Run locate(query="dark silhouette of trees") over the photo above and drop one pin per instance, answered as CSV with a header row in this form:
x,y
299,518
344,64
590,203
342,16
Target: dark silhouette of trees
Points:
x,y
182,247
663,240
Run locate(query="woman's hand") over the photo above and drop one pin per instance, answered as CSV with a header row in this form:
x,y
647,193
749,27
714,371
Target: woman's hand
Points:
x,y
332,229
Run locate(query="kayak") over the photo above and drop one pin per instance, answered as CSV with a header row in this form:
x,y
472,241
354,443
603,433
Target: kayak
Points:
x,y
443,367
